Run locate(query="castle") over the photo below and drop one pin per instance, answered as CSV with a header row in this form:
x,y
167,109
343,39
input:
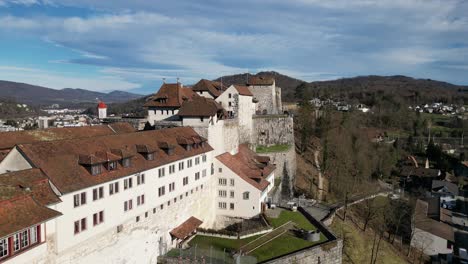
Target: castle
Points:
x,y
91,194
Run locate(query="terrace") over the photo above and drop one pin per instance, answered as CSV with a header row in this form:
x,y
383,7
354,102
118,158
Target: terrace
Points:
x,y
287,232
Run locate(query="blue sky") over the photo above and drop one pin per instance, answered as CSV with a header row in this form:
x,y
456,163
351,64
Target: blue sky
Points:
x,y
132,45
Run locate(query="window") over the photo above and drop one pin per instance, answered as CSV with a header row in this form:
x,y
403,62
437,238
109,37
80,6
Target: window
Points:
x,y
96,169
140,179
220,170
189,163
16,242
185,181
113,188
175,200
149,156
138,219
222,205
98,218
168,203
171,169
204,173
161,206
3,248
201,119
24,238
186,194
230,104
128,183
231,182
212,169
161,191
181,166
80,226
146,214
98,193
128,205
171,187
161,172
197,176
230,95
222,193
33,234
245,195
204,158
197,160
222,181
181,197
141,199
231,206
126,162
79,199
154,210
231,194
112,165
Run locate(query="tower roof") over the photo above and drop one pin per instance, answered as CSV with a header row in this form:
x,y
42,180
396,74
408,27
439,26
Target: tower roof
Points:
x,y
102,105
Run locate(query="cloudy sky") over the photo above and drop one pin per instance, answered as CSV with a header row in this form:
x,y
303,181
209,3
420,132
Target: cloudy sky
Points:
x,y
131,45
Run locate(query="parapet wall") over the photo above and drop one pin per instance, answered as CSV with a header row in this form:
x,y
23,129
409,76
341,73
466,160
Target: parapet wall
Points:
x,y
273,130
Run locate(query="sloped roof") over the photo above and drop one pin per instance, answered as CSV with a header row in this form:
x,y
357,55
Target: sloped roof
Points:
x,y
261,80
419,172
186,228
243,90
25,182
200,106
451,187
247,165
22,212
10,139
213,87
429,225
59,160
170,95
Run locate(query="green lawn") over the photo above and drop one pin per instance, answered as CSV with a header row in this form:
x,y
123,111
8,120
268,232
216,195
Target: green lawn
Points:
x,y
282,245
296,217
274,148
220,243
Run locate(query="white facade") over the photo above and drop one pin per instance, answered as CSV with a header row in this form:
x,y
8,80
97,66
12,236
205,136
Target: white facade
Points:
x,y
159,114
236,197
102,112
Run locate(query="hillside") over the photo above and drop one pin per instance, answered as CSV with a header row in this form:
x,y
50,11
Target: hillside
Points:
x,y
287,84
366,88
363,88
38,95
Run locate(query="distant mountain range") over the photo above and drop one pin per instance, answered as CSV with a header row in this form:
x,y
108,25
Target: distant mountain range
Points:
x,y
38,95
361,87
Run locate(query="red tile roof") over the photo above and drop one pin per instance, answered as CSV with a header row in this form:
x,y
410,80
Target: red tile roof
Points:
x,y
22,212
261,80
247,165
186,228
59,160
243,90
170,95
10,139
102,105
213,87
200,106
25,182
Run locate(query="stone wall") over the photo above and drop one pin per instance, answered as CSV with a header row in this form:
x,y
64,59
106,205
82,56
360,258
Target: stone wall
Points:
x,y
272,130
266,99
280,159
326,253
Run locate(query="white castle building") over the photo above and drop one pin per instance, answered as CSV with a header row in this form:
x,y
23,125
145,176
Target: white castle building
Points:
x,y
109,194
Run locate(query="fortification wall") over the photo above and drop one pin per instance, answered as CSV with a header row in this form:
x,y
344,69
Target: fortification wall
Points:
x,y
142,241
327,253
266,97
273,130
282,159
231,135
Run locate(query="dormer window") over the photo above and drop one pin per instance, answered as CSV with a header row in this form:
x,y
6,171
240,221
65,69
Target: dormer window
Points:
x,y
168,148
96,169
112,165
126,162
149,156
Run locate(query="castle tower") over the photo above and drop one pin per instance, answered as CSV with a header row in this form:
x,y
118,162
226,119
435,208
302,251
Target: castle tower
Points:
x,y
102,110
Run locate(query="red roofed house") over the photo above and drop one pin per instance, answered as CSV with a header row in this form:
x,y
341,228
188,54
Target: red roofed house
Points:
x,y
165,104
244,181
